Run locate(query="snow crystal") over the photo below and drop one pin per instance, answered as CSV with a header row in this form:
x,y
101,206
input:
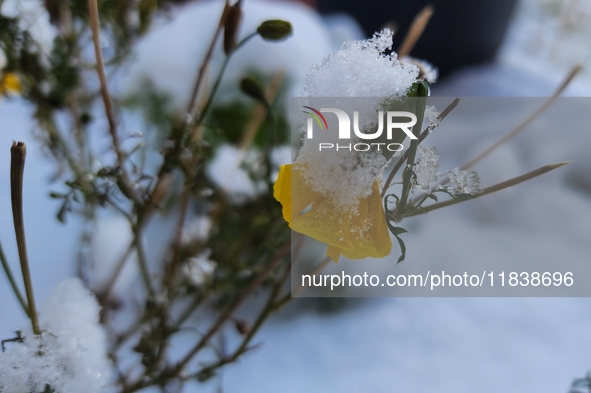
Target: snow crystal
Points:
x,y
69,355
197,270
34,18
463,182
426,70
426,168
431,115
361,69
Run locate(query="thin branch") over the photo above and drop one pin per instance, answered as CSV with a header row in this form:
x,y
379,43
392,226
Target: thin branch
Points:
x,y
205,63
422,137
228,313
12,282
511,134
18,152
126,186
415,31
489,190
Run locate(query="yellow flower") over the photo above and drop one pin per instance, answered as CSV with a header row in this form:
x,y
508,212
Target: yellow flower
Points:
x,y
10,83
357,233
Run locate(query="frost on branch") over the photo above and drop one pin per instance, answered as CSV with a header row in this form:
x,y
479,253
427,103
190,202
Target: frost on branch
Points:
x,y
426,168
70,354
463,182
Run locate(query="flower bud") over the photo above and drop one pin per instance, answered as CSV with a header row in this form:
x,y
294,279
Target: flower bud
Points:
x,y
274,30
252,89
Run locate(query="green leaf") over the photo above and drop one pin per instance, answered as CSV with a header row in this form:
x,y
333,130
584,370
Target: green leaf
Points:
x,y
396,231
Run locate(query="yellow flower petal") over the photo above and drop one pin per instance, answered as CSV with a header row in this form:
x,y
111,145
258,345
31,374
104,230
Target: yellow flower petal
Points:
x,y
357,233
10,83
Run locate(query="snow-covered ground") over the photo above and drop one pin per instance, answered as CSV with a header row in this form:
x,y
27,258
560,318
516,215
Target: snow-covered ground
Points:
x,y
393,344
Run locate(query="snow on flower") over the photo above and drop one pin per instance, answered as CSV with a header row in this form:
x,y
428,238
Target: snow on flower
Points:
x,y
426,70
361,69
343,188
463,182
70,354
426,168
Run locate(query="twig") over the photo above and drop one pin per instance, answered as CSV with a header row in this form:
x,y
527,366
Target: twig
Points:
x,y
415,31
126,187
142,261
424,134
205,63
570,76
12,282
18,153
259,113
489,190
104,293
228,313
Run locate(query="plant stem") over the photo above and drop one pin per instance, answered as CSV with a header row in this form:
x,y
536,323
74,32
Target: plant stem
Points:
x,y
489,190
572,73
125,184
424,135
228,313
415,31
12,282
407,174
18,153
216,85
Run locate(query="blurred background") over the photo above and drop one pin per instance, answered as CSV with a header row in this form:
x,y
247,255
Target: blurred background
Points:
x,y
482,48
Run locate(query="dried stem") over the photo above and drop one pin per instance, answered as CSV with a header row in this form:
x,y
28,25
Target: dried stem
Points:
x,y
570,76
125,186
12,282
228,313
424,134
260,112
18,153
415,31
205,63
489,190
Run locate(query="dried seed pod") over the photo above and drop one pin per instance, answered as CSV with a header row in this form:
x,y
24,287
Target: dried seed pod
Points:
x,y
232,26
242,326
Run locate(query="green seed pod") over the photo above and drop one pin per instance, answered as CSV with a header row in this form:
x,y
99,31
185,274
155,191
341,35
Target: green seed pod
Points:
x,y
274,30
252,89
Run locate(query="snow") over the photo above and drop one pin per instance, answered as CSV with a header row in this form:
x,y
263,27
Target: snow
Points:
x,y
426,167
69,355
361,69
462,182
198,269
